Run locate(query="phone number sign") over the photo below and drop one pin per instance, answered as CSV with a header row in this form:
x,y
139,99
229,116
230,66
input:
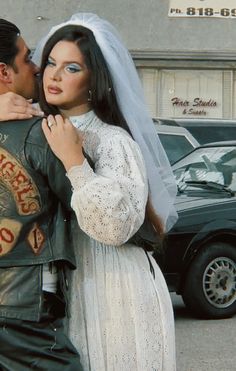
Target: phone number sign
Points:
x,y
202,8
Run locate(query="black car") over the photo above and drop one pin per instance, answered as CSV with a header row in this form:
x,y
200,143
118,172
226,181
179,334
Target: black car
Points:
x,y
200,253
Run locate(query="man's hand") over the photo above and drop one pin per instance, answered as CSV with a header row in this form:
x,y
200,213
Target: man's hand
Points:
x,y
15,107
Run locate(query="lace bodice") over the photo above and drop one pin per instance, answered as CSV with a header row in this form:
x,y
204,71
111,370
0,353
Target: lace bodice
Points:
x,y
109,200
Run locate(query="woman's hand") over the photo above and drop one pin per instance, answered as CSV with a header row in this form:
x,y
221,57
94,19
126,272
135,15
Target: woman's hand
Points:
x,y
64,140
15,107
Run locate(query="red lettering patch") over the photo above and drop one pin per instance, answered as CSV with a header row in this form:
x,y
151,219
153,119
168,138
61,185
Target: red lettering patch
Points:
x,y
19,183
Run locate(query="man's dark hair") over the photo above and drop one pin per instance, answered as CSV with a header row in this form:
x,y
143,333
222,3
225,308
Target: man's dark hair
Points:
x,y
8,38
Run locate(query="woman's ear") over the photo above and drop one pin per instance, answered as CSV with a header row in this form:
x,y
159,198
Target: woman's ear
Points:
x,y
5,73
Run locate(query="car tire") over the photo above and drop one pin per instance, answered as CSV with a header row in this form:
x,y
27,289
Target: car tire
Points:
x,y
210,284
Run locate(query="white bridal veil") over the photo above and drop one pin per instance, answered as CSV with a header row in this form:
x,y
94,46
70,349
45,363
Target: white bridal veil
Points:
x,y
131,100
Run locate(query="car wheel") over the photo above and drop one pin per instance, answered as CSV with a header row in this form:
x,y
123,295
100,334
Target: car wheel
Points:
x,y
210,284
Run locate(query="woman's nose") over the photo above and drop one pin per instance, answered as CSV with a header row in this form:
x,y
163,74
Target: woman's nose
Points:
x,y
56,75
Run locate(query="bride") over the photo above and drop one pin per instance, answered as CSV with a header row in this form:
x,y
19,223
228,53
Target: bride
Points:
x,y
121,312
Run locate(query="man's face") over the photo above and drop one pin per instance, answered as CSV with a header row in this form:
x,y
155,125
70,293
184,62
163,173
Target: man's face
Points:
x,y
24,81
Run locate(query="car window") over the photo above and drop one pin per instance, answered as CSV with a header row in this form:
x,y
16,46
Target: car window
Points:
x,y
206,134
176,146
213,164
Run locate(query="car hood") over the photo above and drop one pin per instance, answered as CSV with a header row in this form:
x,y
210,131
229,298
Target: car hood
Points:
x,y
185,202
197,212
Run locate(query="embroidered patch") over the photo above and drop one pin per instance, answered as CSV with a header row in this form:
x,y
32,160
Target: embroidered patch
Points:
x,y
20,184
3,137
9,232
36,239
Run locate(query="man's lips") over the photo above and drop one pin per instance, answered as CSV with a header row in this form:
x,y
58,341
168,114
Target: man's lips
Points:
x,y
53,89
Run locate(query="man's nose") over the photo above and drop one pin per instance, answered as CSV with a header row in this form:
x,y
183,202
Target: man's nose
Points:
x,y
35,68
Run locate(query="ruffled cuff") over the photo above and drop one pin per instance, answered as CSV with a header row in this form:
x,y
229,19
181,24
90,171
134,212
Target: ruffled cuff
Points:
x,y
80,175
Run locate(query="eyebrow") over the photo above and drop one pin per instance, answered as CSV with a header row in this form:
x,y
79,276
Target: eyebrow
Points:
x,y
67,62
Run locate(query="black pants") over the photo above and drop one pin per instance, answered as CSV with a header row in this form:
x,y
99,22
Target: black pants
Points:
x,y
41,346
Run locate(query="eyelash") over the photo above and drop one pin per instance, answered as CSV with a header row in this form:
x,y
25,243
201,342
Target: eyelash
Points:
x,y
68,68
72,69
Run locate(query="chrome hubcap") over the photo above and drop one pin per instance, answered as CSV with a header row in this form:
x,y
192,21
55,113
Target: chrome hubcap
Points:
x,y
219,282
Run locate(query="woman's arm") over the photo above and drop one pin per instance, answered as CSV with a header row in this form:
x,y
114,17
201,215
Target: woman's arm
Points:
x,y
109,200
64,140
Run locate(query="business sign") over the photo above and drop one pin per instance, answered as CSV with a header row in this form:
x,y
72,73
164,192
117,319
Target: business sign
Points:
x,y
195,107
202,8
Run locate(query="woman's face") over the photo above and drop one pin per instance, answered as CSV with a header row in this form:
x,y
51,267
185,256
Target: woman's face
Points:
x,y
66,79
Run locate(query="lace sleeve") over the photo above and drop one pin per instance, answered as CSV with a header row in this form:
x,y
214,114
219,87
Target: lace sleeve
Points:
x,y
110,202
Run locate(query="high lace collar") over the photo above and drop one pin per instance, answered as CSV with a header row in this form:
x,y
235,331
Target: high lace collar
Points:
x,y
84,120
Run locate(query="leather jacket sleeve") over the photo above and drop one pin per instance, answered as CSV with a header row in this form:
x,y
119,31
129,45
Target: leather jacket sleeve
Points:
x,y
42,159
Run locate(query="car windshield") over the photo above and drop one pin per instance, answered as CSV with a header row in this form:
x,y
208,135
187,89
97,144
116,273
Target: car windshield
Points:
x,y
176,146
207,165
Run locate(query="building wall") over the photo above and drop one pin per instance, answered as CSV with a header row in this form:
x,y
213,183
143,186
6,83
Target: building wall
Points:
x,y
144,25
179,60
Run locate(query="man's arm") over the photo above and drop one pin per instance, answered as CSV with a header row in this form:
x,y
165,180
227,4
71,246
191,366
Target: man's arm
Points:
x,y
15,107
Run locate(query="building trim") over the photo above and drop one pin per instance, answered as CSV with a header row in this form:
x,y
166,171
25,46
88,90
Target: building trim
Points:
x,y
184,59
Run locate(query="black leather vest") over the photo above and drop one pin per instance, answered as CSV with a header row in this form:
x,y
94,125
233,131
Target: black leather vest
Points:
x,y
33,224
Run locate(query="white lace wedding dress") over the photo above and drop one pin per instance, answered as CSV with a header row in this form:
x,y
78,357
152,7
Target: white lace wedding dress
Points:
x,y
122,318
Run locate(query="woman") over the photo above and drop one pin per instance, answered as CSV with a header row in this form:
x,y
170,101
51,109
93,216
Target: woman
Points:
x,y
121,313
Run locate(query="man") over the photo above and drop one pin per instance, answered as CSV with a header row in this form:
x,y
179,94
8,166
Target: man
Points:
x,y
35,250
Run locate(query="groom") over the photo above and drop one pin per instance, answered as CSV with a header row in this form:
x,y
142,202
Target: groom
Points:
x,y
35,248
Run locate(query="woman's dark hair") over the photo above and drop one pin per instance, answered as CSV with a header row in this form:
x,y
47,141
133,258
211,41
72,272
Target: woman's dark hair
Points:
x,y
103,102
8,37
